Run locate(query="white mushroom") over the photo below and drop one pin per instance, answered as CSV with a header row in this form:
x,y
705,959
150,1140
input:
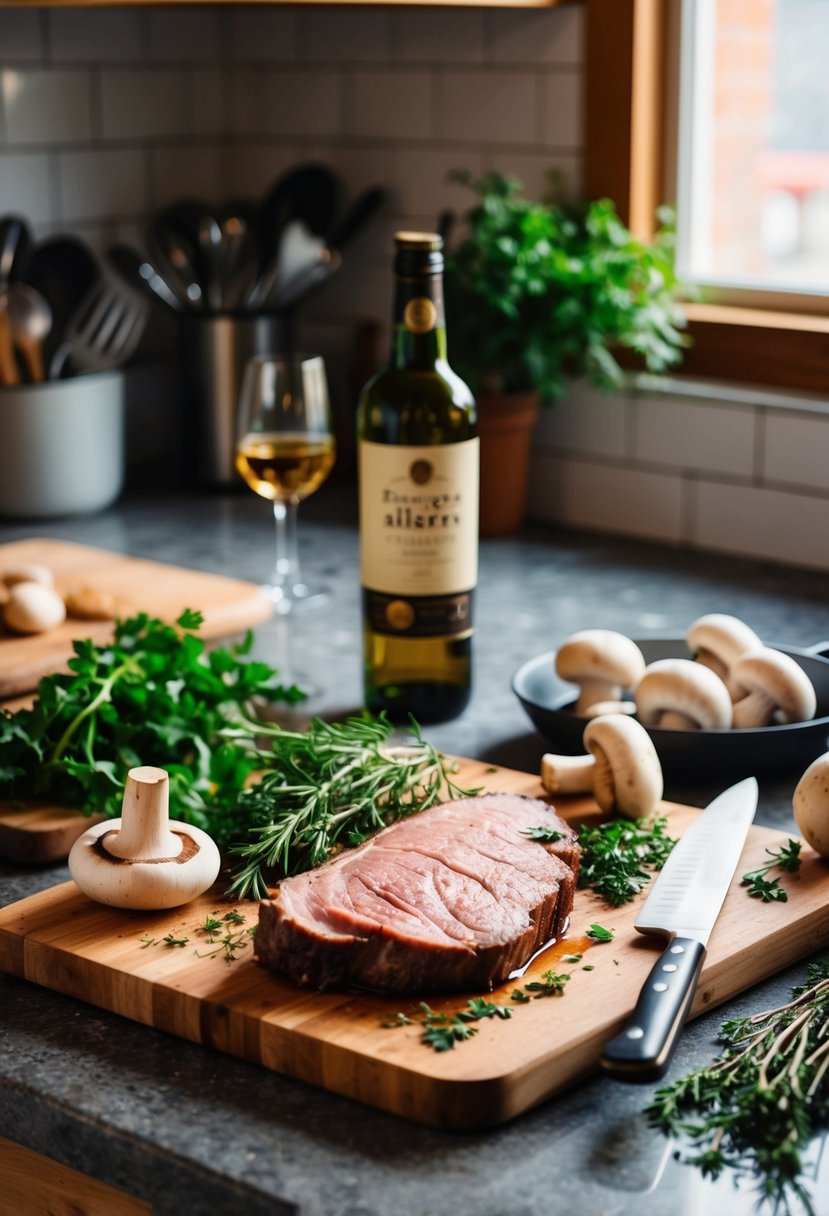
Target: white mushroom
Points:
x,y
622,771
144,859
771,686
602,662
33,608
28,572
717,641
811,804
676,694
601,708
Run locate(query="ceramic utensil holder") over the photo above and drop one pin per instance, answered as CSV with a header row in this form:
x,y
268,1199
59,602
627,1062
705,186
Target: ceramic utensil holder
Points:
x,y
61,446
215,351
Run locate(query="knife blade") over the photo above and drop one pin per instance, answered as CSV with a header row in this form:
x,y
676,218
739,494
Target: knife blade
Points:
x,y
683,906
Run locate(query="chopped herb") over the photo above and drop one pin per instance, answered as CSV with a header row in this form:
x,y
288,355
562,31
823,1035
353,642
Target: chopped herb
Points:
x,y
544,834
171,940
572,958
620,857
146,941
234,917
755,1109
600,934
551,984
251,930
479,1008
518,995
442,1031
588,967
493,768
399,1019
228,947
210,927
787,858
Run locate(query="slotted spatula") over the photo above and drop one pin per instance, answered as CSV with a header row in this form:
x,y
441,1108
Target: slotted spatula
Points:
x,y
103,332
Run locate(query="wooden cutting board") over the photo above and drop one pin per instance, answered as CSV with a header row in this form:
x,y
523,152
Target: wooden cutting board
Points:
x,y
62,940
228,604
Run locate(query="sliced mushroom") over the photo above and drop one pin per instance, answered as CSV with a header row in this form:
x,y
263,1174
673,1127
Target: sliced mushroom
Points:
x,y
622,771
771,687
144,859
717,641
33,608
677,694
602,663
811,804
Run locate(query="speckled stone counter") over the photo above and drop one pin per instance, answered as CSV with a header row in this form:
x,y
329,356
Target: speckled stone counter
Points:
x,y
192,1131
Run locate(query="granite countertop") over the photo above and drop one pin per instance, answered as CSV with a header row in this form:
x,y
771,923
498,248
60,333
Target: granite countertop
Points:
x,y
193,1131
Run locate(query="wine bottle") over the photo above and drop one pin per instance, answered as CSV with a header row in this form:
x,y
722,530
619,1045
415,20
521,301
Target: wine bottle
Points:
x,y
418,473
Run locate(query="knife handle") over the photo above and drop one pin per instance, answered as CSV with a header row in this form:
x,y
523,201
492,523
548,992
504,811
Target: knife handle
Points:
x,y
643,1049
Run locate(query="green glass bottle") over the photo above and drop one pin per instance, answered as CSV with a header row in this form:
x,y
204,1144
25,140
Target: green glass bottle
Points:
x,y
418,472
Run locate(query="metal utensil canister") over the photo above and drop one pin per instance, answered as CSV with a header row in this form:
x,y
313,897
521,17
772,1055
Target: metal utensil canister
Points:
x,y
215,351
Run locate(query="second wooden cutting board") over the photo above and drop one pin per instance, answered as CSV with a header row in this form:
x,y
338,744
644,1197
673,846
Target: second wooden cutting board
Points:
x,y
229,605
118,960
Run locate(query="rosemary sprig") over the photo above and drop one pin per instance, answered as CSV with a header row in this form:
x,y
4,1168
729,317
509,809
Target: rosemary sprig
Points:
x,y
330,786
787,857
619,857
756,1107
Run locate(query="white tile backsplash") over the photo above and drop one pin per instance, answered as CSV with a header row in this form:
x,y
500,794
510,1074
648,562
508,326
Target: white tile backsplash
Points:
x,y
20,35
104,182
179,34
526,36
395,104
693,435
420,179
562,109
796,449
441,35
345,35
490,106
586,421
263,33
185,171
109,35
764,523
26,186
144,104
46,107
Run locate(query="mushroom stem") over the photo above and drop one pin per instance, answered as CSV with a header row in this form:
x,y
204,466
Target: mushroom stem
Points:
x,y
755,709
567,774
672,719
145,834
593,691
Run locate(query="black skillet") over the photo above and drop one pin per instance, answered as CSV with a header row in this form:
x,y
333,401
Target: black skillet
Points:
x,y
700,753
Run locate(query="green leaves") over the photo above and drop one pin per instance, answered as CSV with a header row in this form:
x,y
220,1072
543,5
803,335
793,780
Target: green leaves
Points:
x,y
152,696
620,856
539,291
755,1109
442,1031
769,890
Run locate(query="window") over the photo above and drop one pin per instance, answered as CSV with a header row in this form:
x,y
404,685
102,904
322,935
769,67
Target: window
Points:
x,y
668,84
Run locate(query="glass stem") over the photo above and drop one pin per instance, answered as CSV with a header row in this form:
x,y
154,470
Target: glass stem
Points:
x,y
286,572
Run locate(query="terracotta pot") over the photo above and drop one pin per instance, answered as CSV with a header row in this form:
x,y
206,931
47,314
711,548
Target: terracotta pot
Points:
x,y
505,425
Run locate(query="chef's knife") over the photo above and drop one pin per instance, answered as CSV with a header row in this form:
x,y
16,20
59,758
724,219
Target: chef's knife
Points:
x,y
683,905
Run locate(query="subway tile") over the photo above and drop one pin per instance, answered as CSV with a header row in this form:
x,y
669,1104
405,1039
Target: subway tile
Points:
x,y
345,35
20,35
145,104
102,183
356,293
392,104
420,179
286,102
562,109
487,106
797,448
25,186
187,172
717,438
263,33
758,522
46,106
251,168
95,35
534,170
357,168
606,498
209,102
184,34
530,36
587,421
439,35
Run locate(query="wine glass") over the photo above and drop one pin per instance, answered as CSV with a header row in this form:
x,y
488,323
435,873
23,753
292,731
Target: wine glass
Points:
x,y
285,451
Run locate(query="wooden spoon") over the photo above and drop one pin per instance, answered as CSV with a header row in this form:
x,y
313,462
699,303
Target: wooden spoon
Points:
x,y
9,374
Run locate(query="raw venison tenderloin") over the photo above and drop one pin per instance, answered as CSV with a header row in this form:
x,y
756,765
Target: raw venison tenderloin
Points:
x,y
456,897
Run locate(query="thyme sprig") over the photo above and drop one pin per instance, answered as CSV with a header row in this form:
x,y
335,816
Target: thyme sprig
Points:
x,y
787,858
442,1031
330,786
756,1107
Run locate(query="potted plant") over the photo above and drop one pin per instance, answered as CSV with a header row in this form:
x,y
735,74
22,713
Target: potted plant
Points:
x,y
538,293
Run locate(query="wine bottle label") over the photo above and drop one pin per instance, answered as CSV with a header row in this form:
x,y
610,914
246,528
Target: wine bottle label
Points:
x,y
419,535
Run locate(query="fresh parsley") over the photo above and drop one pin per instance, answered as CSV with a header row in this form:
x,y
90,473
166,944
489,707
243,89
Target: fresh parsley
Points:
x,y
544,834
619,857
599,934
551,984
787,858
441,1031
758,1105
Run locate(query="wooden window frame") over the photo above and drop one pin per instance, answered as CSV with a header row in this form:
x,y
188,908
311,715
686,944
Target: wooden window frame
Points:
x,y
626,70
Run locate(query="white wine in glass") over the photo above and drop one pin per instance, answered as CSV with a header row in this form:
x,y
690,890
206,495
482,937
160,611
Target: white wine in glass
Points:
x,y
284,451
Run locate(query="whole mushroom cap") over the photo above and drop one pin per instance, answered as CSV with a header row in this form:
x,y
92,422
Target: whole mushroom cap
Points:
x,y
628,775
771,682
602,661
682,687
33,608
811,804
724,636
